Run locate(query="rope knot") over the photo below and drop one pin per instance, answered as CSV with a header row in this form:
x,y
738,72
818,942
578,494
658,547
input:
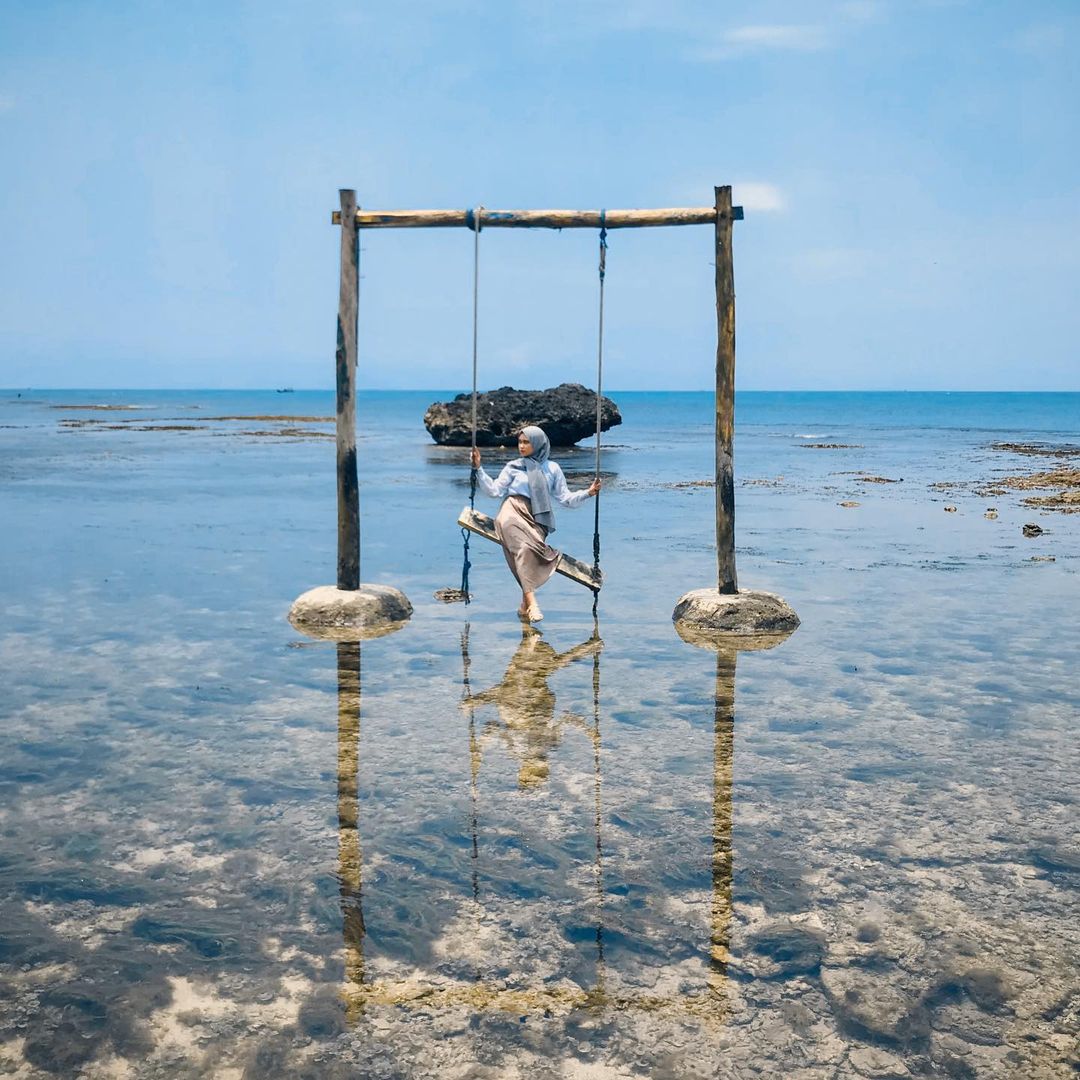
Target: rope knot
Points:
x,y
473,219
603,244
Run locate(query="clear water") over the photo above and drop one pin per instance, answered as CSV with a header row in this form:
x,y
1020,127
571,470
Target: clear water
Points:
x,y
463,851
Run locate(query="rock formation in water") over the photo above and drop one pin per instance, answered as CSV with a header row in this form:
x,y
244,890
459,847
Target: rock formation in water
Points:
x,y
567,413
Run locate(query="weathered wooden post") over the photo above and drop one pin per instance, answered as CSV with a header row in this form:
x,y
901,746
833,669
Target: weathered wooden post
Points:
x,y
348,488
350,611
727,609
725,396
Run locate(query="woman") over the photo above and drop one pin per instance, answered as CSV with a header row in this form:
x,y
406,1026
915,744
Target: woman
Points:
x,y
525,518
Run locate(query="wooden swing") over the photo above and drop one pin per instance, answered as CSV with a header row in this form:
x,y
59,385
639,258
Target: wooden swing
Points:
x,y
472,520
721,216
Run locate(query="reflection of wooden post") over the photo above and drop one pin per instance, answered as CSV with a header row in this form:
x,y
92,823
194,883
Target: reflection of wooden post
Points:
x,y
349,853
725,395
348,489
723,774
727,648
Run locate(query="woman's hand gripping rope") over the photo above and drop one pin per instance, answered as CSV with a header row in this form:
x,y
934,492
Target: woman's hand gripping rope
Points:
x,y
594,487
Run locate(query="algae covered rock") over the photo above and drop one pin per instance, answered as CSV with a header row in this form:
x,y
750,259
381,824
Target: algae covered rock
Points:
x,y
567,413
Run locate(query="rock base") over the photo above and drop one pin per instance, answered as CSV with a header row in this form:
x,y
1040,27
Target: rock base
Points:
x,y
744,620
333,614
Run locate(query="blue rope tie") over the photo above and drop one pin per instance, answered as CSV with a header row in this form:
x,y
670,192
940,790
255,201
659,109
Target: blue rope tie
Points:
x,y
466,564
471,220
603,243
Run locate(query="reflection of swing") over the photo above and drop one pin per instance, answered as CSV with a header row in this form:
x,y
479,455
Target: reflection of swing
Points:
x,y
361,991
526,703
471,520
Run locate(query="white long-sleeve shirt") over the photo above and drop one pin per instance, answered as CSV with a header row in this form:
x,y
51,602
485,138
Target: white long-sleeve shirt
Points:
x,y
516,482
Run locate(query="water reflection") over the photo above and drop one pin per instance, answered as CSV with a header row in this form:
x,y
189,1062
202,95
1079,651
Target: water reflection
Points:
x,y
528,728
350,856
525,704
727,648
528,725
723,773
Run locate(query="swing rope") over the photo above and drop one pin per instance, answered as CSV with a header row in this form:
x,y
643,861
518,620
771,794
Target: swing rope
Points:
x,y
599,404
472,219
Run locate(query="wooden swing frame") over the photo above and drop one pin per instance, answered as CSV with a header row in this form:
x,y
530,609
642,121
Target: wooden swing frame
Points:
x,y
721,216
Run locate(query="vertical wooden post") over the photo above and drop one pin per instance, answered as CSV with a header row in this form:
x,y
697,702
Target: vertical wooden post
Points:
x,y
725,396
348,489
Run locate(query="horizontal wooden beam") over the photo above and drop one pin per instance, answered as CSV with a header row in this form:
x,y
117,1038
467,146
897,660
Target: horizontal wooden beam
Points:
x,y
535,219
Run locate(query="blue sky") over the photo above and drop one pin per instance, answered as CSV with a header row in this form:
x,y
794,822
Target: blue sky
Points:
x,y
910,173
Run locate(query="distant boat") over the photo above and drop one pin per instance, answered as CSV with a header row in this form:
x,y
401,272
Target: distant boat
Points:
x,y
286,390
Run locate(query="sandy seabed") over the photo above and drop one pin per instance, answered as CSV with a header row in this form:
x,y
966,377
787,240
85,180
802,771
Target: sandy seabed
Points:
x,y
471,850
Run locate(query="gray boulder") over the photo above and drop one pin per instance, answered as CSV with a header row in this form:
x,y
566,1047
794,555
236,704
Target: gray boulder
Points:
x,y
749,613
567,413
886,1005
782,949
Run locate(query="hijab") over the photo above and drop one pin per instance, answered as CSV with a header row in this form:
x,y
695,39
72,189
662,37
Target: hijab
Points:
x,y
539,492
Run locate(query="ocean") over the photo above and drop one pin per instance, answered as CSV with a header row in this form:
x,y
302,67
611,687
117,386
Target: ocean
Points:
x,y
468,849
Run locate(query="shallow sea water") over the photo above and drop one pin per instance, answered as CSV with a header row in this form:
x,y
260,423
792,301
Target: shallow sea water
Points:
x,y
469,850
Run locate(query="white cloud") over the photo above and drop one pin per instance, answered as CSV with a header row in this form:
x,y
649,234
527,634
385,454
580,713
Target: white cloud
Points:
x,y
644,15
785,37
862,10
758,195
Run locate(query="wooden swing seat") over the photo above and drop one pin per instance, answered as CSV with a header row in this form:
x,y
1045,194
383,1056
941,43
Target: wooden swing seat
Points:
x,y
567,565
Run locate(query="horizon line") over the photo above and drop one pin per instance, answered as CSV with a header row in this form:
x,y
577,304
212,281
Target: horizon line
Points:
x,y
453,390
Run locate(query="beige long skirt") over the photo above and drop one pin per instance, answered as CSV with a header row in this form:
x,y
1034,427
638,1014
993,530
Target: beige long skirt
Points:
x,y
524,542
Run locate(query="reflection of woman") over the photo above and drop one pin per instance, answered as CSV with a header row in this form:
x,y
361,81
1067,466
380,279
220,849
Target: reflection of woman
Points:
x,y
526,703
525,519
